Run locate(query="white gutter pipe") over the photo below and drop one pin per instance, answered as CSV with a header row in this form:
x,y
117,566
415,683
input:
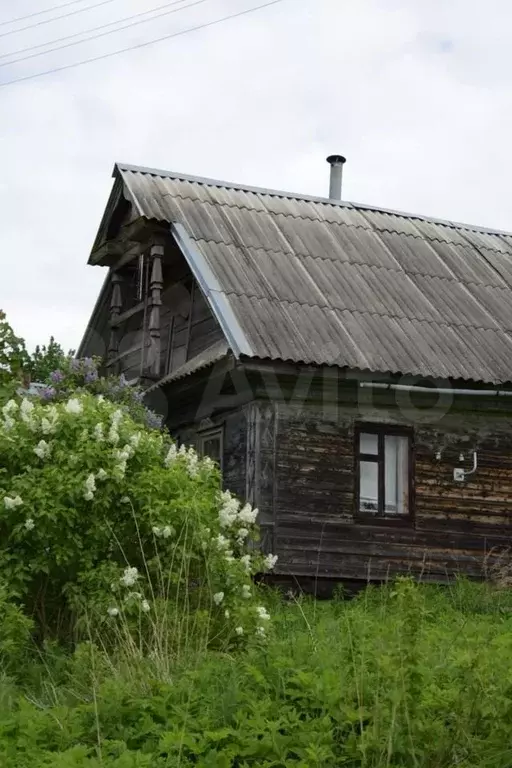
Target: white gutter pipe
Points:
x,y
436,390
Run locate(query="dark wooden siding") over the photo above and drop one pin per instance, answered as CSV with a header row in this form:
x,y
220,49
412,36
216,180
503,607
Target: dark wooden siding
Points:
x,y
455,525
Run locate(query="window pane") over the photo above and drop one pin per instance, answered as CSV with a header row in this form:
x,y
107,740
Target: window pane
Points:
x,y
211,448
396,469
368,443
368,486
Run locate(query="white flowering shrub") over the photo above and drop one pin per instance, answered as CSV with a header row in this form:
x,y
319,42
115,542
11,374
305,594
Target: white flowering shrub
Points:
x,y
103,518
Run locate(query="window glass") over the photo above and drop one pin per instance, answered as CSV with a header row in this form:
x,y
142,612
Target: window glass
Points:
x,y
368,443
396,460
368,486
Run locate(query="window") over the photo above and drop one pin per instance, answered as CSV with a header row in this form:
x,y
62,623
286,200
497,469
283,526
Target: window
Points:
x,y
384,471
211,444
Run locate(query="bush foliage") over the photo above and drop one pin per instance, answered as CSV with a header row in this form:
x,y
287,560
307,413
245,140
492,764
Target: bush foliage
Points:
x,y
105,524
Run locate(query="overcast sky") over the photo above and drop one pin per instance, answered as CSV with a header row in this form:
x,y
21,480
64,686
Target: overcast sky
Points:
x,y
417,95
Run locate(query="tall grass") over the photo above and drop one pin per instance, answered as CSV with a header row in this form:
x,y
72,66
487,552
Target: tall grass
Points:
x,y
402,675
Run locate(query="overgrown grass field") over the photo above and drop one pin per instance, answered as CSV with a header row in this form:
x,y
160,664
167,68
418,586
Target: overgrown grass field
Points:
x,y
402,675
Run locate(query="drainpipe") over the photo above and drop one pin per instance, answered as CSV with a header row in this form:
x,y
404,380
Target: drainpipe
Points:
x,y
436,390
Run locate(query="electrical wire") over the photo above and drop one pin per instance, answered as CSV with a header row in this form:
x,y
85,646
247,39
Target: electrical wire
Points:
x,y
40,13
141,45
84,31
56,18
102,34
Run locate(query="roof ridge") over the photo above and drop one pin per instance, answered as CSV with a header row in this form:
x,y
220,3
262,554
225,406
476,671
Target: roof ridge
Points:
x,y
119,167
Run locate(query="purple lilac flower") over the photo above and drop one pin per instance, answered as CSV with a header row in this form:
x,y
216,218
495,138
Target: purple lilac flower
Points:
x,y
122,381
75,365
154,420
91,376
47,393
138,396
56,376
89,363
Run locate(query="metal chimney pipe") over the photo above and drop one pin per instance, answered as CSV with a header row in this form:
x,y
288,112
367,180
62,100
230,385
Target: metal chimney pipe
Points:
x,y
336,162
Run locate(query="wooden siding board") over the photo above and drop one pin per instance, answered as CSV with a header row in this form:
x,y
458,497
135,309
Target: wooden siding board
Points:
x,y
455,527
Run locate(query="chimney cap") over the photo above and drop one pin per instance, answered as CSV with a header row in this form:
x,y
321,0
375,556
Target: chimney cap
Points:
x,y
336,159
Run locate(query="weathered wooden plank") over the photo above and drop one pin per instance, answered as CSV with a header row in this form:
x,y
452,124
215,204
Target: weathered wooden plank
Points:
x,y
454,527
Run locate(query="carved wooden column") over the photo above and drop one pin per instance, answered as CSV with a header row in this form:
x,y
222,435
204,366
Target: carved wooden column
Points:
x,y
116,303
156,283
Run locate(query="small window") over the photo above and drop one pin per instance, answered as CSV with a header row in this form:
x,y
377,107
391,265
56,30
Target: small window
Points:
x,y
211,444
383,478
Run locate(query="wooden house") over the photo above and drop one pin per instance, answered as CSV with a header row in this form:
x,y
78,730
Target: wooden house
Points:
x,y
349,367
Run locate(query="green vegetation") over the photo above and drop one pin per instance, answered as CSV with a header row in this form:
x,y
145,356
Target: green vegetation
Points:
x,y
132,634
400,676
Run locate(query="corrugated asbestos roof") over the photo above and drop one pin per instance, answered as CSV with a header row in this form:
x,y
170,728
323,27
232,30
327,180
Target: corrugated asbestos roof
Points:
x,y
315,281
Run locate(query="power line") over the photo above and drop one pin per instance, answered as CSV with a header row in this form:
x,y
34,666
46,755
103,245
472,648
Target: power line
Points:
x,y
84,31
102,34
56,18
141,45
40,13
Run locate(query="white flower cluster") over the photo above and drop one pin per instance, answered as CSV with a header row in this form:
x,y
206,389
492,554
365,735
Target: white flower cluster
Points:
x,y
171,457
188,454
218,598
230,514
208,463
73,406
99,434
101,474
42,449
11,502
129,577
269,562
263,614
248,515
229,511
113,433
121,457
29,524
49,422
163,532
135,439
27,414
90,487
192,463
7,411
